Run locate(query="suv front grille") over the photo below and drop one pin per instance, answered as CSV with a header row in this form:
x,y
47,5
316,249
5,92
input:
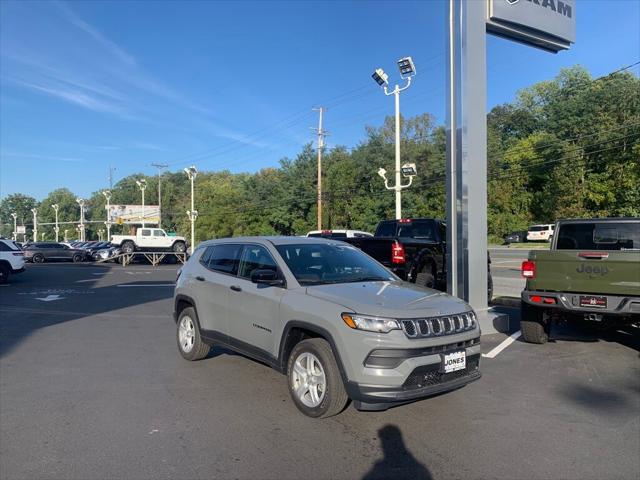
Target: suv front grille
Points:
x,y
438,326
429,375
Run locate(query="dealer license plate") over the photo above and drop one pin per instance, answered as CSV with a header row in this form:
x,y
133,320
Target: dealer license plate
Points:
x,y
591,301
452,362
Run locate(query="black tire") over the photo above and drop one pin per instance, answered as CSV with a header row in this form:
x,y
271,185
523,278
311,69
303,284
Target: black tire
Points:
x,y
179,247
128,247
335,396
426,277
534,327
77,258
489,288
198,349
4,273
38,258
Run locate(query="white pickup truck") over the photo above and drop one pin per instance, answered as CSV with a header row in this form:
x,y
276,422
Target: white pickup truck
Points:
x,y
150,240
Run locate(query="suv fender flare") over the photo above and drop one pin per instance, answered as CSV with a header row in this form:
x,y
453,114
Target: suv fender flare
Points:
x,y
186,299
313,328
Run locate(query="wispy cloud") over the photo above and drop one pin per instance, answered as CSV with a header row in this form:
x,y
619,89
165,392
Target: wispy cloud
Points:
x,y
109,45
73,96
146,146
36,156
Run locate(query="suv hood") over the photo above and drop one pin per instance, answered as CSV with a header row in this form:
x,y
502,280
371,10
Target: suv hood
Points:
x,y
391,299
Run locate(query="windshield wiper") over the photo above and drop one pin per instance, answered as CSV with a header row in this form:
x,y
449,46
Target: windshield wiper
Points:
x,y
367,279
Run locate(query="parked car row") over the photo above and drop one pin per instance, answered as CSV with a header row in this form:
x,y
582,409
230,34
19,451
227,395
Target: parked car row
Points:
x,y
535,233
40,252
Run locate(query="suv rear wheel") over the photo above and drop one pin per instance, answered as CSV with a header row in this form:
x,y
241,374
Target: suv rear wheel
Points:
x,y
534,327
190,343
4,273
38,258
314,379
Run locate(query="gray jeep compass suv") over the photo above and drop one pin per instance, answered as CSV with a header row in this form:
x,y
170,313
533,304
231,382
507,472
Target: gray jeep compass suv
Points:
x,y
335,321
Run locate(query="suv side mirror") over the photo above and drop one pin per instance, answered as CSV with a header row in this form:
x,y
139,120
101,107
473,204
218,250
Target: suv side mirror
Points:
x,y
266,277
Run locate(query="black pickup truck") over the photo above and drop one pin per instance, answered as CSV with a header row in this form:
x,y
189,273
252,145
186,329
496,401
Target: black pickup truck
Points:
x,y
412,248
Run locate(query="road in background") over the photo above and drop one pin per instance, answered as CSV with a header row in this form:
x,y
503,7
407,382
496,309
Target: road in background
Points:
x,y
505,269
92,387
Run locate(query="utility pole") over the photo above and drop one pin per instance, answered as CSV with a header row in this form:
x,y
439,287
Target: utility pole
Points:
x,y
111,170
35,224
321,135
56,207
159,166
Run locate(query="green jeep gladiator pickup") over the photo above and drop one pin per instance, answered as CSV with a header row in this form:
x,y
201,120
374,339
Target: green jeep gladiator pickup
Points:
x,y
591,272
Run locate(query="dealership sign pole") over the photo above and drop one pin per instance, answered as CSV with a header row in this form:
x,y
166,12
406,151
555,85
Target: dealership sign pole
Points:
x,y
546,24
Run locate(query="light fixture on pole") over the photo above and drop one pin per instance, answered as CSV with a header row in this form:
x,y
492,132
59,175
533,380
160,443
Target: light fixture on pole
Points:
x,y
192,172
81,224
35,224
142,184
14,215
56,229
107,196
407,71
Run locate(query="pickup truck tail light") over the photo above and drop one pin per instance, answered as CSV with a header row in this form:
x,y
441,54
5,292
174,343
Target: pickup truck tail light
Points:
x,y
528,269
397,253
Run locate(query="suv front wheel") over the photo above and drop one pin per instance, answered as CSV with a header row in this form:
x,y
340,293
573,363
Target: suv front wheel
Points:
x,y
314,380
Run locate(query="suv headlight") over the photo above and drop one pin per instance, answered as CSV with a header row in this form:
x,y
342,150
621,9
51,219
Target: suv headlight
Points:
x,y
370,324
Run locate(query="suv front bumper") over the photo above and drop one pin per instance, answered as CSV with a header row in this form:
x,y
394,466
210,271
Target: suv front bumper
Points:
x,y
424,381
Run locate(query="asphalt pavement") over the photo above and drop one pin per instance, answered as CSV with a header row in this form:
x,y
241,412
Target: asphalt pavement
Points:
x,y
92,386
505,270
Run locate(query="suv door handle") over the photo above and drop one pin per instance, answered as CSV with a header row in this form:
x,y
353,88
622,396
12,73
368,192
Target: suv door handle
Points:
x,y
235,288
200,277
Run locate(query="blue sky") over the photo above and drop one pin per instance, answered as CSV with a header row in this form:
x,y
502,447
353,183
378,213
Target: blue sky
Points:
x,y
85,85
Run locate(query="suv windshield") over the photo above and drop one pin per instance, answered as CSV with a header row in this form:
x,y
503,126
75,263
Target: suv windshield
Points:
x,y
320,263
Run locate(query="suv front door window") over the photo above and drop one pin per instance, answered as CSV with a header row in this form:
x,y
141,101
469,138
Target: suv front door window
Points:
x,y
216,274
255,307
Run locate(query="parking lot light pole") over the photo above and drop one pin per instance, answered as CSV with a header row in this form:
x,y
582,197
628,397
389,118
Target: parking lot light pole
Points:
x,y
55,207
81,225
35,224
407,71
192,172
14,215
66,238
107,195
142,184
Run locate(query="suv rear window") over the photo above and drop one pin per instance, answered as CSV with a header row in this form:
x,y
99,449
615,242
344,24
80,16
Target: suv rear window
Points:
x,y
7,246
599,236
222,258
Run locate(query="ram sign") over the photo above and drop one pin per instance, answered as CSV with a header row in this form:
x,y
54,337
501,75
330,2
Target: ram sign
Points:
x,y
133,214
546,24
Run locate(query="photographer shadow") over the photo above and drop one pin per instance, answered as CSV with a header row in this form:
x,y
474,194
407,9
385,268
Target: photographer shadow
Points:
x,y
397,462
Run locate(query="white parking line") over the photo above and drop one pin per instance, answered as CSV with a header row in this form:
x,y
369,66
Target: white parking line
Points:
x,y
505,343
151,285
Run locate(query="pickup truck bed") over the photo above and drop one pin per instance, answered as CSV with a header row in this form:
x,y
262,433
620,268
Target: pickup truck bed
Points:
x,y
600,282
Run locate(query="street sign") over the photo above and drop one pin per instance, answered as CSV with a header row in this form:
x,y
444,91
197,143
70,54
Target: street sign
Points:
x,y
546,24
21,229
